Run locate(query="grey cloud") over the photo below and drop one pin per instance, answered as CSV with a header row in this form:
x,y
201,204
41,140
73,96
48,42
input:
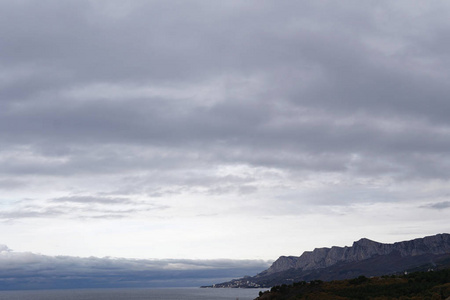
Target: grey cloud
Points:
x,y
311,140
4,248
12,184
80,207
21,270
31,212
92,200
439,205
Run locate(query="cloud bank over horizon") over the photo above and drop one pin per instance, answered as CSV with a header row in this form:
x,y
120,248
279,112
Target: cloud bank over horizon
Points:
x,y
26,270
210,129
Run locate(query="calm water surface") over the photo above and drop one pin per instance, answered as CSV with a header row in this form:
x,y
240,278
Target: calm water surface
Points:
x,y
133,294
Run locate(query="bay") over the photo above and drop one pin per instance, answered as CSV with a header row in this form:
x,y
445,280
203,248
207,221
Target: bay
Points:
x,y
133,294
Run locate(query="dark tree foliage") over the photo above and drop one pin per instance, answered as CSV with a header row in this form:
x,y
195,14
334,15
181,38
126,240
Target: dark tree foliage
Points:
x,y
431,285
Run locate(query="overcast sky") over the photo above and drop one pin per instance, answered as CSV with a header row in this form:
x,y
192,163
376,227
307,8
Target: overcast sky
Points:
x,y
222,129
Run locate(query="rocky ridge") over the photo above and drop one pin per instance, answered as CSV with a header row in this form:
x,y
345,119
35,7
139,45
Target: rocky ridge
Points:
x,y
361,250
364,257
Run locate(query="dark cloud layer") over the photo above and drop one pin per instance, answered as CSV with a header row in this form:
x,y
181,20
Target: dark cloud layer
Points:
x,y
439,205
329,80
35,271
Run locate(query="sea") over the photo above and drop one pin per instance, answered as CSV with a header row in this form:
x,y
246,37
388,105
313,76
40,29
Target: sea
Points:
x,y
134,294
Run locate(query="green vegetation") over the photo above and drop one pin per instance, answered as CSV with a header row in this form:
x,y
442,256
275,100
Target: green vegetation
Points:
x,y
431,285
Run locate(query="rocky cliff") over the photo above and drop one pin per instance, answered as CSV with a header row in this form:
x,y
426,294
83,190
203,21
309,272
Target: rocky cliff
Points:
x,y
364,257
361,250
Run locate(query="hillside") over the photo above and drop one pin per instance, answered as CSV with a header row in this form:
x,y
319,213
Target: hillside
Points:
x,y
433,285
364,257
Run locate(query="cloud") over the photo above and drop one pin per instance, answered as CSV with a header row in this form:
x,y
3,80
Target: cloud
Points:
x,y
12,184
359,101
31,212
4,248
152,111
91,200
80,207
24,270
439,205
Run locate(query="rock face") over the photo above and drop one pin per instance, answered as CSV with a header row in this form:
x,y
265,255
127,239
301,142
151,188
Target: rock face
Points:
x,y
364,257
361,250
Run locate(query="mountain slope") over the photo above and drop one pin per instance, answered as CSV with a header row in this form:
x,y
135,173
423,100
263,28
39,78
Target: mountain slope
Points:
x,y
417,285
364,257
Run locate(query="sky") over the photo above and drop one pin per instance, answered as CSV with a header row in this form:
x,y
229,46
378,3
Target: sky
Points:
x,y
210,130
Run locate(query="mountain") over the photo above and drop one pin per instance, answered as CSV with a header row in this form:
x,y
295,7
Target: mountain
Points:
x,y
364,257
